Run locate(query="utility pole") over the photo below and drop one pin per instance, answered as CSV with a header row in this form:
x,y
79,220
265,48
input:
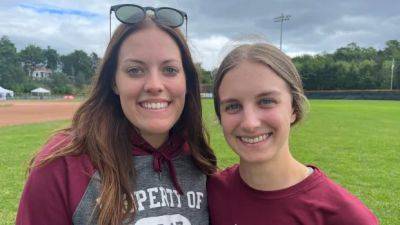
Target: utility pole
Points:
x,y
391,77
281,19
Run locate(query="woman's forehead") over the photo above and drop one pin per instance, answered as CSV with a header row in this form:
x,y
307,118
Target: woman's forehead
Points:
x,y
149,41
251,79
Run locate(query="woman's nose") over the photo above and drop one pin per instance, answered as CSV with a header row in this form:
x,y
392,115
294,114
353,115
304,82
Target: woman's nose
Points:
x,y
154,83
250,121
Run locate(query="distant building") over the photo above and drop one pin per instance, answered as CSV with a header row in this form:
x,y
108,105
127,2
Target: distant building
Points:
x,y
41,73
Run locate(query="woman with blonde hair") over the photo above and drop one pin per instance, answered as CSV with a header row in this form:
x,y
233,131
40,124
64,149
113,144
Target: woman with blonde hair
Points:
x,y
136,152
258,98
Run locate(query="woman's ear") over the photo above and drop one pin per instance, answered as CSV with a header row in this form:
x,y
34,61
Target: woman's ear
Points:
x,y
293,117
115,88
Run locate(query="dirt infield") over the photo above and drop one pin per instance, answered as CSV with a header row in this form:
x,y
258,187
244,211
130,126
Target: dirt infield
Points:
x,y
23,112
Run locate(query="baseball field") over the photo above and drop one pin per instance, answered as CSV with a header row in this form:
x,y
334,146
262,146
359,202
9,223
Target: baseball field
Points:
x,y
357,143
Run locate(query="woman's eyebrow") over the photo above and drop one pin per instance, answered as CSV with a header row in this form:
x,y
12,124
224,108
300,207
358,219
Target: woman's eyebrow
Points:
x,y
130,60
170,61
224,101
269,93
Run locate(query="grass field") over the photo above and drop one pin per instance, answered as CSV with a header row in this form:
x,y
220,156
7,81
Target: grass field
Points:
x,y
357,143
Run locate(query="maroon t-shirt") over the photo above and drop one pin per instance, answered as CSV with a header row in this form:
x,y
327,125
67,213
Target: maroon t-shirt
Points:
x,y
314,201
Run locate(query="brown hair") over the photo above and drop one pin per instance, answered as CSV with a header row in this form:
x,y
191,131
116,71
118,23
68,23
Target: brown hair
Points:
x,y
101,130
271,57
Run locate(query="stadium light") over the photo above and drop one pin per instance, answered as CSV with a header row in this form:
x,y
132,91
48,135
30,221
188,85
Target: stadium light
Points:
x,y
281,19
391,77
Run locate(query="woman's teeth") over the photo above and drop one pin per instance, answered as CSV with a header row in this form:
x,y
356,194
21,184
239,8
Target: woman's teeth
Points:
x,y
253,140
154,105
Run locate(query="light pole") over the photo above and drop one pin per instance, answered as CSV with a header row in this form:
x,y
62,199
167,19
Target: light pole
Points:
x,y
391,77
281,19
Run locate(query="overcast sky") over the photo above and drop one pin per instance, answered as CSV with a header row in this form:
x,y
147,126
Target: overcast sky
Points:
x,y
314,26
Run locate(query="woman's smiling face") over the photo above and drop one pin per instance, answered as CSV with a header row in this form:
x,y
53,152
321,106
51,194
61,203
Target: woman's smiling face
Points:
x,y
256,112
150,81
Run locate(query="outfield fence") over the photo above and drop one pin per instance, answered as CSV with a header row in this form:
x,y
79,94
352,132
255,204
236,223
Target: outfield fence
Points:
x,y
355,94
43,97
327,94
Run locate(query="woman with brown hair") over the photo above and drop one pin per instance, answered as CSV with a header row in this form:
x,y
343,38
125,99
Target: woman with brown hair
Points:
x,y
136,152
258,98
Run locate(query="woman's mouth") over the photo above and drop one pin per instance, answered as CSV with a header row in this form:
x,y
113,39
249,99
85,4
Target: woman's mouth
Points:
x,y
154,105
254,139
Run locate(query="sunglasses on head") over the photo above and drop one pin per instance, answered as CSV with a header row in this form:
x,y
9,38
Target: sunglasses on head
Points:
x,y
132,14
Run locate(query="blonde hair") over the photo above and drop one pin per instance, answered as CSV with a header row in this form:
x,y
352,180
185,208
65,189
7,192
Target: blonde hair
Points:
x,y
271,57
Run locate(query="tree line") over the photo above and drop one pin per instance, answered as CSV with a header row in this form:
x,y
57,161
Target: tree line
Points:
x,y
71,73
349,67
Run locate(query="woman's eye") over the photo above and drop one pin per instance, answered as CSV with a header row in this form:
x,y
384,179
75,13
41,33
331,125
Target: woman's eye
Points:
x,y
169,70
232,107
135,71
266,102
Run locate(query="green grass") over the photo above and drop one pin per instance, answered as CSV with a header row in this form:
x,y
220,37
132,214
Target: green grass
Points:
x,y
17,145
356,143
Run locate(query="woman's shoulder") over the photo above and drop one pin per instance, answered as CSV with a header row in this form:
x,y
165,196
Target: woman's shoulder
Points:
x,y
350,208
219,189
51,165
53,144
53,147
56,184
223,178
336,192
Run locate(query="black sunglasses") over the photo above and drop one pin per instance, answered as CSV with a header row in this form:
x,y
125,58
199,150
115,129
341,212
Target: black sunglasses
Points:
x,y
131,14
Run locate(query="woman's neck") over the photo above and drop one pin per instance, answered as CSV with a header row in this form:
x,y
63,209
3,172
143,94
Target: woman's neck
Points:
x,y
273,175
155,140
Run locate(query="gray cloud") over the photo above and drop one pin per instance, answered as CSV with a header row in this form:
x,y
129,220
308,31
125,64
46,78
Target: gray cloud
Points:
x,y
314,26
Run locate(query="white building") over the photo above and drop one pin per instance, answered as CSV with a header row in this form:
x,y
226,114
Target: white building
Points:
x,y
41,73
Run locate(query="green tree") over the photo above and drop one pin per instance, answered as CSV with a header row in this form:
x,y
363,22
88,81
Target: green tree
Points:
x,y
31,57
205,76
94,60
52,58
60,84
392,49
349,53
313,70
8,59
349,67
78,66
367,74
11,73
343,74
